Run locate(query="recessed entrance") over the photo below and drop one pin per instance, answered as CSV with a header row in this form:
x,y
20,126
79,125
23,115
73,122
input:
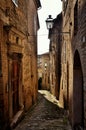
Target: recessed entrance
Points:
x,y
15,83
78,105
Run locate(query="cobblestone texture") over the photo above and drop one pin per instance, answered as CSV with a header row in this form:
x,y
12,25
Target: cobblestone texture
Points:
x,y
45,115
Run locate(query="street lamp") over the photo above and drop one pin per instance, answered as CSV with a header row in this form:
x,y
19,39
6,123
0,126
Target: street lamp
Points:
x,y
49,22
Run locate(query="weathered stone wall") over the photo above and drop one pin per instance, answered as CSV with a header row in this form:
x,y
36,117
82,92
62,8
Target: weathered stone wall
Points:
x,y
45,71
73,43
18,36
10,16
44,65
32,39
55,55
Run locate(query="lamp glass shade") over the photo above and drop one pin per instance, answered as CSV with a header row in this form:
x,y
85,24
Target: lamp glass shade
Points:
x,y
49,22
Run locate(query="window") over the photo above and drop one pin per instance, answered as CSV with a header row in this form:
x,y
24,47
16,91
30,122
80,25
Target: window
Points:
x,y
45,66
15,2
17,40
76,18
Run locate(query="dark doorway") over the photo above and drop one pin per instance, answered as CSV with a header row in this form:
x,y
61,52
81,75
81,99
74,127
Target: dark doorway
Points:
x,y
78,105
40,83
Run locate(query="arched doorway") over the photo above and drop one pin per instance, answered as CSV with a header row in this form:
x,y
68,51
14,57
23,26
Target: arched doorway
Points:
x,y
78,105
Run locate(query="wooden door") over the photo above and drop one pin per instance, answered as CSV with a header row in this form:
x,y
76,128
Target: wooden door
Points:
x,y
15,86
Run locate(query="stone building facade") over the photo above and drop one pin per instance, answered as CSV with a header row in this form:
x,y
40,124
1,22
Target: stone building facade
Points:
x,y
44,70
39,63
73,62
18,58
55,55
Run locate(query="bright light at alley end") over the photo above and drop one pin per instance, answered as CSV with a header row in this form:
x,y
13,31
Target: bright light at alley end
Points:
x,y
49,22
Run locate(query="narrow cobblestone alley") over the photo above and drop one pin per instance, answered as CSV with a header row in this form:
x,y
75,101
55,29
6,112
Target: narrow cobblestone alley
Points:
x,y
45,115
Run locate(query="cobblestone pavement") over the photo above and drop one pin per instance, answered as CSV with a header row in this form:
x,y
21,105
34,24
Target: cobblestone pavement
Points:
x,y
46,115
